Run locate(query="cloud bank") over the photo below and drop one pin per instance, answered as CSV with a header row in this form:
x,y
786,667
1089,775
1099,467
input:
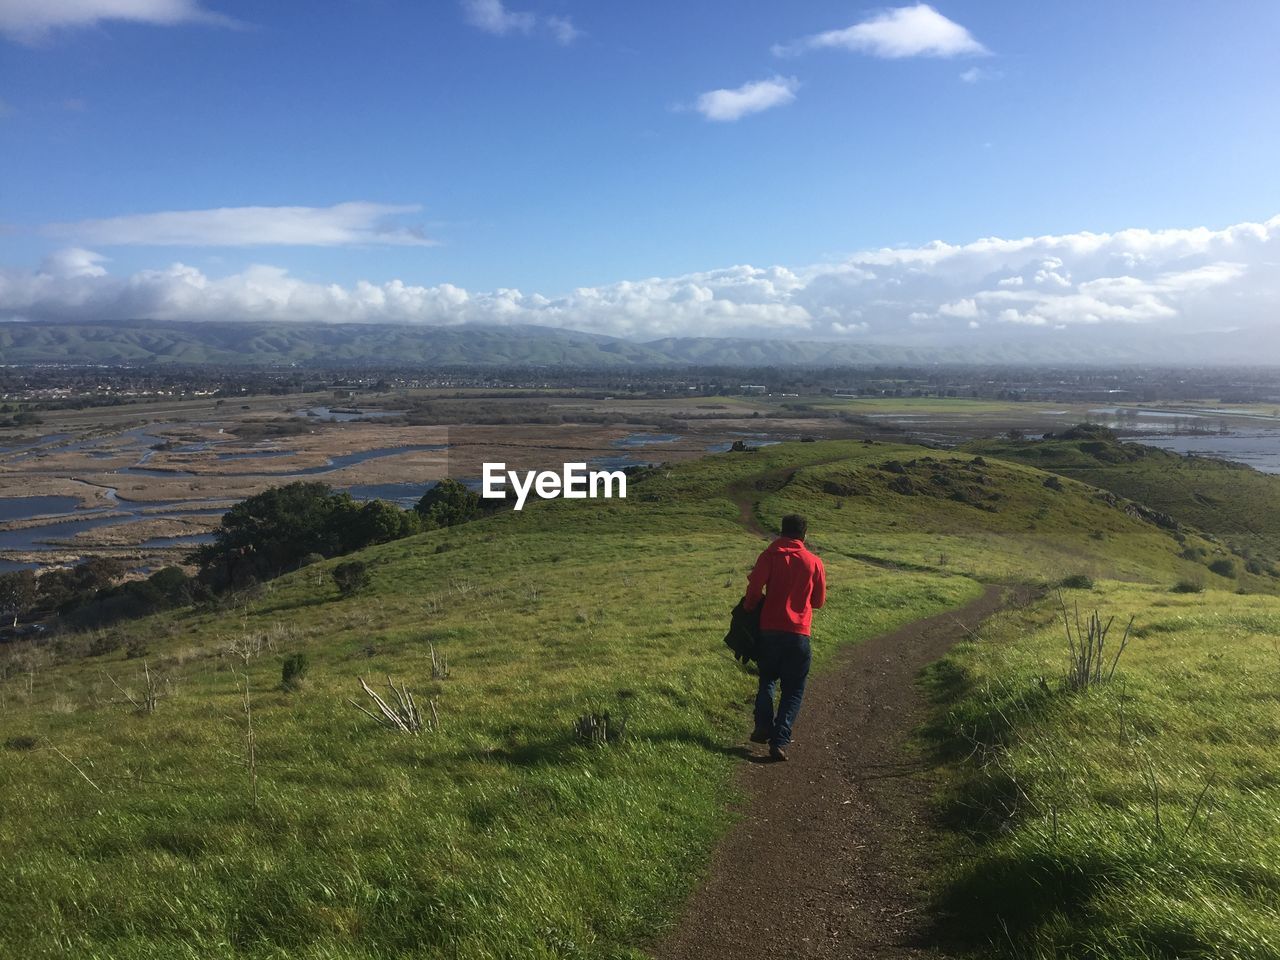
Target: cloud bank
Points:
x,y
727,105
1149,282
918,31
30,21
339,225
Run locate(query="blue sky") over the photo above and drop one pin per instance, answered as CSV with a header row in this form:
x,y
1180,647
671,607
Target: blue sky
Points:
x,y
479,146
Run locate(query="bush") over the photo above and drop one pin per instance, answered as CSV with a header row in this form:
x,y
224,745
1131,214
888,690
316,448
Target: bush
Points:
x,y
1077,581
351,577
1224,567
1053,483
903,485
1188,586
105,643
135,649
293,670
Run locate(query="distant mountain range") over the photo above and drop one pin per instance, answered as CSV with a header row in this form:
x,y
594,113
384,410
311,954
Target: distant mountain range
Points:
x,y
317,344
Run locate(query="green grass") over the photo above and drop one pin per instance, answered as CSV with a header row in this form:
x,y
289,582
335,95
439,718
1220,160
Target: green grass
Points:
x,y
1062,854
500,836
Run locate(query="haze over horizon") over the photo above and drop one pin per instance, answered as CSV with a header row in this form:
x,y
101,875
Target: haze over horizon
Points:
x,y
949,173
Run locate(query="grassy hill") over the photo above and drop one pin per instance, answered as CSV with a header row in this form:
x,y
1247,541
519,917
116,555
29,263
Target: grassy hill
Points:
x,y
1230,500
132,834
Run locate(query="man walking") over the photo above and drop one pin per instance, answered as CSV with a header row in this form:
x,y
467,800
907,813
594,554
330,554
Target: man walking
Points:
x,y
793,583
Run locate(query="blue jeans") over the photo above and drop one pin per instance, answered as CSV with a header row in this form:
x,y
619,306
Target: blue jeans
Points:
x,y
784,658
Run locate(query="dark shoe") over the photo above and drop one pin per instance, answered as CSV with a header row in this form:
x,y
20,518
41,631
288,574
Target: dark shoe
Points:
x,y
777,753
761,735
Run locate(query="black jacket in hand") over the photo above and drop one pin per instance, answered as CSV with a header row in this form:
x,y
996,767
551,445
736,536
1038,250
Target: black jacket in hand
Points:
x,y
743,637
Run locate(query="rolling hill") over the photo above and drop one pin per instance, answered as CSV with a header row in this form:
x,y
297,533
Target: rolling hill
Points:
x,y
1229,500
258,343
132,833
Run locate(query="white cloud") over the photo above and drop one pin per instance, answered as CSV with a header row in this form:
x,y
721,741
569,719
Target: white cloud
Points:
x,y
727,105
30,21
918,31
563,30
492,16
341,224
964,307
1155,283
73,262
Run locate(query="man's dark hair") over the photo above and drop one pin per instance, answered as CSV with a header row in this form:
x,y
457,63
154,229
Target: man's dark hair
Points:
x,y
794,526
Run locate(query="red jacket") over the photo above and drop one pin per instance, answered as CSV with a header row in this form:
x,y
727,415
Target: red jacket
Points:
x,y
793,582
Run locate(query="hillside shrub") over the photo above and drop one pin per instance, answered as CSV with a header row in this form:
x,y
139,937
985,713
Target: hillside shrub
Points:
x,y
1188,586
351,577
1223,567
105,643
293,671
902,485
1090,658
1077,581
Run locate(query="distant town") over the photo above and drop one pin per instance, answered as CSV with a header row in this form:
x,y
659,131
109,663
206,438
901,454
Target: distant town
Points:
x,y
33,388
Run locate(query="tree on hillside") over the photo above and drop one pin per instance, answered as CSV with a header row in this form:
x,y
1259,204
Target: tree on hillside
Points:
x,y
18,592
277,530
379,522
62,590
270,533
448,503
167,587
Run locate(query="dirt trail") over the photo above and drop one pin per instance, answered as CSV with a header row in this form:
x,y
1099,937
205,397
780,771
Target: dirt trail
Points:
x,y
833,847
831,854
